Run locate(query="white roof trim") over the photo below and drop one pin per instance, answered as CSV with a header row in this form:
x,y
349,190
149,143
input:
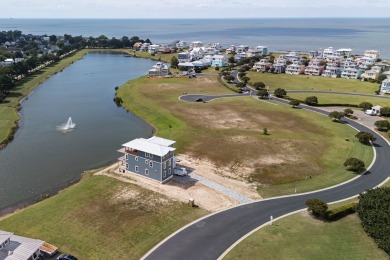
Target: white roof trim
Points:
x,y
144,145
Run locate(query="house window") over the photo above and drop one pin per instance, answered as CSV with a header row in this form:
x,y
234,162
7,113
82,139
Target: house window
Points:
x,y
146,155
165,174
169,162
151,156
136,169
146,172
169,171
127,156
146,161
136,158
150,164
165,165
127,166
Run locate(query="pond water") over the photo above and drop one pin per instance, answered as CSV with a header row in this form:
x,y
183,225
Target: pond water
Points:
x,y
42,159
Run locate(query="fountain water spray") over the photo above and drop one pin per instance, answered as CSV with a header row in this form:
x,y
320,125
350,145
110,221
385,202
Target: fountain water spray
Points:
x,y
67,126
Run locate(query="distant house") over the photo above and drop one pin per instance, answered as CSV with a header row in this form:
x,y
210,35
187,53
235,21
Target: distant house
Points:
x,y
279,65
137,46
231,49
196,53
262,65
385,86
242,48
17,248
144,46
314,68
184,56
328,52
344,52
372,53
182,45
196,44
219,61
152,158
332,70
159,69
372,74
186,65
351,73
254,53
295,68
153,48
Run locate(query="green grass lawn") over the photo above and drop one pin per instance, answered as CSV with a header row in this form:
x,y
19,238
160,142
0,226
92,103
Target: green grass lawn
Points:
x,y
301,237
102,218
228,133
9,107
303,82
341,99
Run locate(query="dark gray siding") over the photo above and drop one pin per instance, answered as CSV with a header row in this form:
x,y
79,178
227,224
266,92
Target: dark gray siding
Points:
x,y
146,167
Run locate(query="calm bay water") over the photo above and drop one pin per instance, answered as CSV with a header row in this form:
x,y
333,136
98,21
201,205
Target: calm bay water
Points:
x,y
278,34
40,158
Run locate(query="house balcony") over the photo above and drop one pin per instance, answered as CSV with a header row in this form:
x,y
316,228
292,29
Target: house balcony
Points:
x,y
131,151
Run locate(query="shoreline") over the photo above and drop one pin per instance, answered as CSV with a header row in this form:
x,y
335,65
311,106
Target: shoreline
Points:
x,y
23,97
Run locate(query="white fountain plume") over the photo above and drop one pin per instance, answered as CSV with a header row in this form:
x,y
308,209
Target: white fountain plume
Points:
x,y
67,126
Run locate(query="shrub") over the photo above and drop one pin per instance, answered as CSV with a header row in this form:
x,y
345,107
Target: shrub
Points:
x,y
374,212
383,125
365,137
336,115
365,105
385,111
312,100
259,85
294,103
262,93
348,112
279,92
354,164
316,207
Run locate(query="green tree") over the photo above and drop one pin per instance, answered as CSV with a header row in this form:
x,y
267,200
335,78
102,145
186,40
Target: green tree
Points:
x,y
383,125
336,115
365,105
365,137
280,92
374,212
312,100
294,103
229,78
262,93
174,62
354,164
6,83
231,59
240,85
245,79
316,207
385,111
259,85
381,78
348,112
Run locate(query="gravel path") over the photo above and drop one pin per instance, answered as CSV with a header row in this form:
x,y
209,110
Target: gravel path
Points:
x,y
228,192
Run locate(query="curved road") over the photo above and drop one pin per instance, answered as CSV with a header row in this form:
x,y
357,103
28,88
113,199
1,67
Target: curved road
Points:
x,y
210,237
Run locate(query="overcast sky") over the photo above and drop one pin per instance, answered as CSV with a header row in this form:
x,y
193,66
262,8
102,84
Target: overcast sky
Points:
x,y
192,8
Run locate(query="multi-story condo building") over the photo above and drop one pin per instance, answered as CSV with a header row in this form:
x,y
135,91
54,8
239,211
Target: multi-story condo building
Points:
x,y
345,52
152,158
279,65
332,70
372,53
314,68
372,74
262,65
295,68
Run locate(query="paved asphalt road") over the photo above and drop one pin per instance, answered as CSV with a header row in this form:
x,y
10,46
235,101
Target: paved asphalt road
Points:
x,y
210,237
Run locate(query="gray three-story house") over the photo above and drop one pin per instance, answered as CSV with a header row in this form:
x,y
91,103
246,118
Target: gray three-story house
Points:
x,y
152,158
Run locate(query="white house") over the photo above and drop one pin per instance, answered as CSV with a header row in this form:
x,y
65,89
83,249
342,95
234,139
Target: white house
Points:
x,y
372,53
262,65
17,248
385,87
196,44
254,53
344,52
242,48
328,52
279,65
295,68
182,45
263,49
231,49
219,61
184,56
351,73
159,69
153,48
196,53
314,68
332,70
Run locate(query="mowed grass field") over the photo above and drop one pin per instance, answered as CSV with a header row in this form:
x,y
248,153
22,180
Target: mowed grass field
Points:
x,y
228,132
303,82
9,107
102,218
341,99
300,236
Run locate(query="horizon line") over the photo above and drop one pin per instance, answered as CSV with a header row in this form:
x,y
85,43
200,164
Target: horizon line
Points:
x,y
201,18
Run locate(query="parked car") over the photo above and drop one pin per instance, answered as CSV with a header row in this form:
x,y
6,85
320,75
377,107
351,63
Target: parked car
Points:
x,y
181,171
66,257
